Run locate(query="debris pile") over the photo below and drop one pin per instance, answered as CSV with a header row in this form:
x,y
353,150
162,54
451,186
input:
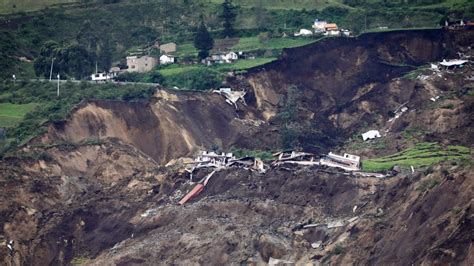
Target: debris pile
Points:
x,y
221,161
293,157
197,189
232,97
347,162
210,159
399,112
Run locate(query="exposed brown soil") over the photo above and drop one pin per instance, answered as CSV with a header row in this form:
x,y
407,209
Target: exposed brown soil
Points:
x,y
100,194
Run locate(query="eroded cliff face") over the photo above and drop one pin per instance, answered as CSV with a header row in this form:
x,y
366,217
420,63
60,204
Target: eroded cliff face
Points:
x,y
171,125
335,72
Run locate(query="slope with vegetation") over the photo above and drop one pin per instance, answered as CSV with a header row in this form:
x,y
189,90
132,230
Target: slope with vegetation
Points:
x,y
108,29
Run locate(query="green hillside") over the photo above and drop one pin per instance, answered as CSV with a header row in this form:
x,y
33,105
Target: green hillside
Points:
x,y
15,6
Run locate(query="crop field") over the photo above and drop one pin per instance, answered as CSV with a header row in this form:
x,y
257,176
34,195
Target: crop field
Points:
x,y
423,154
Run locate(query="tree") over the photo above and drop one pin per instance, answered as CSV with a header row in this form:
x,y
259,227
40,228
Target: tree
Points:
x,y
77,61
104,56
228,16
203,41
87,37
70,60
42,64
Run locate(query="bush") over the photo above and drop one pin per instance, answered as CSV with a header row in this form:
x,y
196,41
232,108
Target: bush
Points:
x,y
130,77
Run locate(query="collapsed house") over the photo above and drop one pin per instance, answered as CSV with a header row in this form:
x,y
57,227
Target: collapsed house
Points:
x,y
249,163
232,97
294,157
222,161
212,158
346,162
453,63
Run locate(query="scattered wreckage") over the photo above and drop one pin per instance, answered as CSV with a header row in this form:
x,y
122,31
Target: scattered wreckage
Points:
x,y
232,97
221,161
293,157
347,162
197,189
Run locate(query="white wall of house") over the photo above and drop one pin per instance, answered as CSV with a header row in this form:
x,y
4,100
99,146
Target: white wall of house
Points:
x,y
165,59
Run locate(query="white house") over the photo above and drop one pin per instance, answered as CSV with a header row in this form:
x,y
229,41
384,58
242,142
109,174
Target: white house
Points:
x,y
319,26
166,59
304,32
229,57
332,33
371,134
101,77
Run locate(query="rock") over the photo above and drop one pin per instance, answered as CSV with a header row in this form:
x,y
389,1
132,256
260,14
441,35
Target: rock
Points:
x,y
270,246
396,168
316,244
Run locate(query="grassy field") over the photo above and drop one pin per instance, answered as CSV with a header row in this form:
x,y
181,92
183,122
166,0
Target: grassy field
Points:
x,y
174,70
15,6
248,44
246,64
12,114
423,154
253,43
286,5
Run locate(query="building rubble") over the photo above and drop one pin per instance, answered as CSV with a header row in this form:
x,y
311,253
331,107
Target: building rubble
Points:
x,y
346,162
197,189
232,97
205,159
294,157
221,161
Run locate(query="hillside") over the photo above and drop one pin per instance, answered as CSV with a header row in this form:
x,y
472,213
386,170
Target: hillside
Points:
x,y
101,185
128,25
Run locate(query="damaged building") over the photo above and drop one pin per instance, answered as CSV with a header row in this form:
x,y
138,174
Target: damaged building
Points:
x,y
347,162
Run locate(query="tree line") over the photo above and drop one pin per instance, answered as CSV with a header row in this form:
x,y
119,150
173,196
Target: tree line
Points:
x,y
90,50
